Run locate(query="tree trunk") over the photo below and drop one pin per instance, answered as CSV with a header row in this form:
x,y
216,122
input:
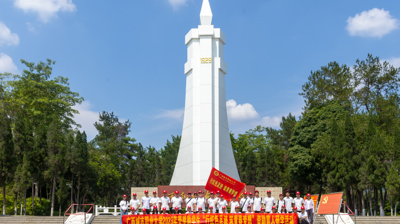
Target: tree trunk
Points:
x,y
359,206
395,208
382,212
320,190
33,197
79,186
59,211
370,203
72,192
25,202
349,201
375,200
362,203
52,194
391,208
21,205
40,195
36,189
16,204
4,199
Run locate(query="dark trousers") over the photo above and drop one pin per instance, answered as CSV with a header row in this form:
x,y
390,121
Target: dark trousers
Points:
x,y
310,215
256,211
304,222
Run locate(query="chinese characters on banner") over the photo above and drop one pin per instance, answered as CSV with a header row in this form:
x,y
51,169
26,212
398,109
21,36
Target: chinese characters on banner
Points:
x,y
207,218
226,185
314,197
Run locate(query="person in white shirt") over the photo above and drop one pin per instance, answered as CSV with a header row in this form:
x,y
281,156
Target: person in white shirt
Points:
x,y
244,202
189,210
237,209
164,211
279,203
177,202
283,209
124,205
298,202
269,201
221,203
257,202
211,209
234,204
212,202
190,201
146,200
144,211
303,216
273,209
135,204
165,201
200,209
249,209
195,197
288,202
155,201
201,201
309,205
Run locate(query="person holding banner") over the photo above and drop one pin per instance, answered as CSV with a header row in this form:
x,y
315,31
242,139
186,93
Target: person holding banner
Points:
x,y
201,201
283,209
164,211
273,209
269,201
189,210
124,204
135,204
165,201
200,209
144,211
262,210
309,206
212,202
249,209
298,202
279,203
234,204
177,202
221,203
288,202
257,202
223,210
177,210
237,209
303,216
245,202
211,209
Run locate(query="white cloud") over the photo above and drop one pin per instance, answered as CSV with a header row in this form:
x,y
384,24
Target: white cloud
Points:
x,y
6,37
86,118
240,112
271,121
394,61
7,64
45,8
372,23
171,114
30,27
177,3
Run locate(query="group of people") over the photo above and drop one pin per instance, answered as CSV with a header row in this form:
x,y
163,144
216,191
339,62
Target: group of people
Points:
x,y
198,203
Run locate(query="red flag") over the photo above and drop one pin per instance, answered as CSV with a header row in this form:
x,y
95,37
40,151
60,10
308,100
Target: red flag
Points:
x,y
223,183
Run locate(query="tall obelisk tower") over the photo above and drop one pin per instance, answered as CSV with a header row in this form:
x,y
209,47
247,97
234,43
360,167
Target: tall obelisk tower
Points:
x,y
205,139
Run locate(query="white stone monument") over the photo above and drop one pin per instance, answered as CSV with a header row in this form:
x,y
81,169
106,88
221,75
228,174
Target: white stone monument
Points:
x,y
205,139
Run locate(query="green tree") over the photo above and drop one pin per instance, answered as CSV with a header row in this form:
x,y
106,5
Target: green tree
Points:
x,y
6,154
169,154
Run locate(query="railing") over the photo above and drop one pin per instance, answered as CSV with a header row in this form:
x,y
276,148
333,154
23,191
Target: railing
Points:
x,y
106,210
79,213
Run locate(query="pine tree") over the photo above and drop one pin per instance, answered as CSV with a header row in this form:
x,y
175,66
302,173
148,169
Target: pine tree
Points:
x,y
251,168
6,154
262,165
396,146
393,185
337,168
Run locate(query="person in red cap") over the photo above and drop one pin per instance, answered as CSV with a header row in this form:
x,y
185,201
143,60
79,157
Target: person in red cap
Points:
x,y
135,204
234,204
195,197
177,202
249,209
177,210
262,210
257,202
201,202
303,217
155,201
237,209
146,201
309,205
212,202
283,209
223,210
200,209
144,211
211,209
245,202
273,209
279,203
269,201
190,201
124,205
165,201
189,210
288,202
221,203
298,202
164,211
154,209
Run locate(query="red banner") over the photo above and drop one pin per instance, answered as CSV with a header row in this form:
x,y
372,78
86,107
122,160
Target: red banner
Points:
x,y
207,218
226,185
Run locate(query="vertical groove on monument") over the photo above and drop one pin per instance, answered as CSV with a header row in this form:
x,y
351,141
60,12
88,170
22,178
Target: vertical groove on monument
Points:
x,y
205,136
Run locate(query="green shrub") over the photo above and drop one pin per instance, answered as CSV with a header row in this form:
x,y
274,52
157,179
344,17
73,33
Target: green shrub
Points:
x,y
39,209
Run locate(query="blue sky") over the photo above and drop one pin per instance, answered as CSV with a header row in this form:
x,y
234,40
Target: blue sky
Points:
x,y
128,56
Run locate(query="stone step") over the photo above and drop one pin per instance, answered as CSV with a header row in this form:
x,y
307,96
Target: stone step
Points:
x,y
31,219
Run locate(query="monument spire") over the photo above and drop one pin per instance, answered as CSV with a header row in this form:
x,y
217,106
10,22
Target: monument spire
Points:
x,y
205,14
